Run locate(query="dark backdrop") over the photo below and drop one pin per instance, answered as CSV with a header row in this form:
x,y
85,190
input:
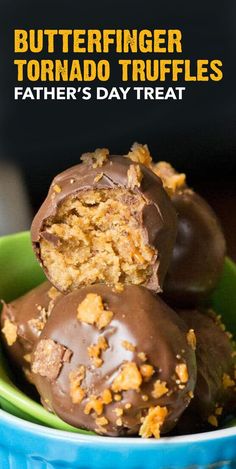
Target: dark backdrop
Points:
x,y
196,134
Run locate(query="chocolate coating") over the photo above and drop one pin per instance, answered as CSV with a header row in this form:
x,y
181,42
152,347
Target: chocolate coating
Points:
x,y
216,386
145,322
198,255
158,216
28,314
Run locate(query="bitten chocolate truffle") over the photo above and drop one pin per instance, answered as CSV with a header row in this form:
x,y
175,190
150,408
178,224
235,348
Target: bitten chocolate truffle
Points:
x,y
23,320
116,363
215,392
106,220
199,252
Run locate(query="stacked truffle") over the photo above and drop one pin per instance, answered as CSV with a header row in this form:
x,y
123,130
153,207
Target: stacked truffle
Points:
x,y
104,350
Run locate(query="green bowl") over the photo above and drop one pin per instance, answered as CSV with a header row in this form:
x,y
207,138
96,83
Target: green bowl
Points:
x,y
19,272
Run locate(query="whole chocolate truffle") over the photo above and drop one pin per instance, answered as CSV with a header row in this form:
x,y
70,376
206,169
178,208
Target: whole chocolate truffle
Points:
x,y
117,363
106,220
215,392
23,320
199,252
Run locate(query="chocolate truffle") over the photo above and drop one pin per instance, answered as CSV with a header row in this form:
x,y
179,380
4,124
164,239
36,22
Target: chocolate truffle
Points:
x,y
106,220
23,320
116,363
199,252
215,392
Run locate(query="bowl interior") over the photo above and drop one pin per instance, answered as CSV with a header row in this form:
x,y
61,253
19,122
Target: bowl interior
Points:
x,y
19,272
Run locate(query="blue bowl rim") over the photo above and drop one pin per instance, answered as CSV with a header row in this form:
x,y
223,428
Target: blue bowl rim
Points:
x,y
101,440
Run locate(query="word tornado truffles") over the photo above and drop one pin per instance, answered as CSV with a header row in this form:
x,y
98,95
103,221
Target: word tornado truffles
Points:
x,y
117,363
107,220
23,320
215,392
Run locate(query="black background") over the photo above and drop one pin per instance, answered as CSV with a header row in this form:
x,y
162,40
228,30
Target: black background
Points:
x,y
196,134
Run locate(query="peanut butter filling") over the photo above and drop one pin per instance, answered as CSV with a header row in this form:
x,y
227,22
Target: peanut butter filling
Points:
x,y
97,237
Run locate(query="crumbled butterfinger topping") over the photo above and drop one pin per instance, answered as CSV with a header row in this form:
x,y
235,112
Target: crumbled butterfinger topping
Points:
x,y
100,430
117,397
140,154
142,356
182,372
106,396
172,181
49,357
57,188
128,405
97,158
95,351
134,176
212,420
95,403
91,311
147,371
39,322
53,293
118,411
101,421
227,381
129,377
153,422
217,318
128,346
27,357
76,377
119,287
191,339
10,332
119,422
159,389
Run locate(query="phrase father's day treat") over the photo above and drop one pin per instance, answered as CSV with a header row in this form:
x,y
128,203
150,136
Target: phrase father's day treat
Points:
x,y
215,392
107,220
117,363
23,320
